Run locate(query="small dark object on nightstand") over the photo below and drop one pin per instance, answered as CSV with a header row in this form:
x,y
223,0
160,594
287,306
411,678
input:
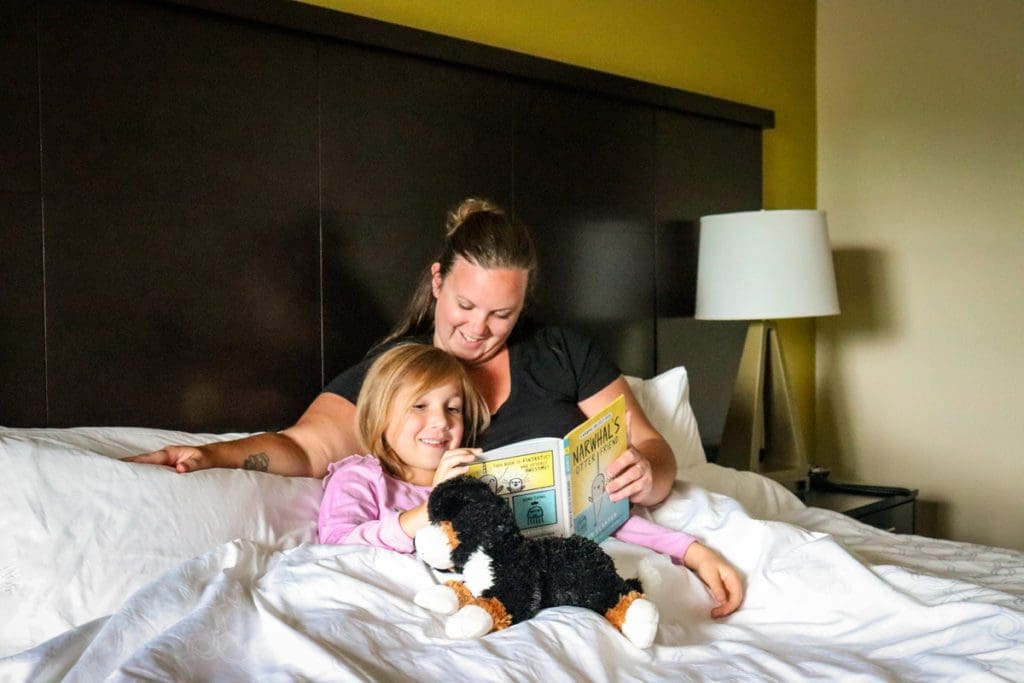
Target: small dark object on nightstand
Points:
x,y
891,508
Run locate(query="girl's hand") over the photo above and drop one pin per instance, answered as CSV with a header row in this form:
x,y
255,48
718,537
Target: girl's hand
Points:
x,y
718,575
454,463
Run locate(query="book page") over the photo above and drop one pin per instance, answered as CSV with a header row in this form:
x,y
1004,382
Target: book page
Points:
x,y
527,475
590,449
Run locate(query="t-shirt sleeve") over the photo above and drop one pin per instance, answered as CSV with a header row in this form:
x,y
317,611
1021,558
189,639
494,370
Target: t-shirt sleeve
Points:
x,y
591,368
351,510
348,383
646,533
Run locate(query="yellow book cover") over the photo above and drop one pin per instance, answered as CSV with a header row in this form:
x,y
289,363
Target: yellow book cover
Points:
x,y
590,449
556,485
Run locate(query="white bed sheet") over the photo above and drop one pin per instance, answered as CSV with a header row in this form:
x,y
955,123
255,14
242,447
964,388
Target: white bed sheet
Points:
x,y
81,531
827,597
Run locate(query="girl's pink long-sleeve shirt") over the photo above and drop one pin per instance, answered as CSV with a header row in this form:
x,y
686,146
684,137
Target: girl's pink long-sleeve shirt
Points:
x,y
361,505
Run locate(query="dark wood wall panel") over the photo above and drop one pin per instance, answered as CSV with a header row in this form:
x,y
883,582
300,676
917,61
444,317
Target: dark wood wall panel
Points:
x,y
705,166
19,74
168,314
584,183
207,211
182,256
22,328
22,331
150,101
403,140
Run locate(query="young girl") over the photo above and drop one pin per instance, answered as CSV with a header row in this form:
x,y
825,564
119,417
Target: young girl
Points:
x,y
415,408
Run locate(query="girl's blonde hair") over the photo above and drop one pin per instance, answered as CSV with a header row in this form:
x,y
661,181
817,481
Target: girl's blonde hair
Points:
x,y
420,367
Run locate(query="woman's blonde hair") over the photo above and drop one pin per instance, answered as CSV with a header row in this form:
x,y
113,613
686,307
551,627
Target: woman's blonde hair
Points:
x,y
420,367
479,232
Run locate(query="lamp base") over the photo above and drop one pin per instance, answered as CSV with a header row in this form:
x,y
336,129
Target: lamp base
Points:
x,y
761,432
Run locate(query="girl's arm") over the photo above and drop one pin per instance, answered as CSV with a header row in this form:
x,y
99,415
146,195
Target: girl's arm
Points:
x,y
413,520
718,575
453,463
645,533
351,509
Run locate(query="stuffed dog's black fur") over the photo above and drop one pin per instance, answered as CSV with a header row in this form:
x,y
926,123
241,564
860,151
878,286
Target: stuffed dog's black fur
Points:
x,y
528,574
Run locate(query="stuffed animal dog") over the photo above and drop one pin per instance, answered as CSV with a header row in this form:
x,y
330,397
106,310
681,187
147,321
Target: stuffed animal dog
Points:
x,y
508,578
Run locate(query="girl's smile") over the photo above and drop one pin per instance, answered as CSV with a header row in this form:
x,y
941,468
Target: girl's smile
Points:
x,y
423,427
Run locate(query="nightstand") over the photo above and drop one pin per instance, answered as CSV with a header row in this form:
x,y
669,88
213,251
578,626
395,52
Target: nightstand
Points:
x,y
891,509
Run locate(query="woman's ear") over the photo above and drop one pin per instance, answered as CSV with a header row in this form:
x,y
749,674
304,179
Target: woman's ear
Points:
x,y
436,279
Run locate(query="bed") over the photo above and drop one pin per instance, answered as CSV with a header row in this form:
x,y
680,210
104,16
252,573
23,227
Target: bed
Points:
x,y
122,571
152,142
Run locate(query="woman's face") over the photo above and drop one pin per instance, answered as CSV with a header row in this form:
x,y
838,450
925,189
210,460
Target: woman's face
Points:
x,y
476,309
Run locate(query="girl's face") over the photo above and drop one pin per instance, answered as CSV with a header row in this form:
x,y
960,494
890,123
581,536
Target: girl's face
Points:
x,y
476,309
423,427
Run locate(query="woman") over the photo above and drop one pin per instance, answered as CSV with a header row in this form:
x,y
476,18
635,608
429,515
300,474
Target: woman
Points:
x,y
536,380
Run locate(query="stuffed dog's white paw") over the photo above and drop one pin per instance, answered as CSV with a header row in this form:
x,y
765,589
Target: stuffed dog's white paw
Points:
x,y
641,623
438,598
433,547
468,623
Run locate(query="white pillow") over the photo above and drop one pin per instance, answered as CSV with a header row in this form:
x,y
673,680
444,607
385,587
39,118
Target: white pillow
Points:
x,y
82,531
665,400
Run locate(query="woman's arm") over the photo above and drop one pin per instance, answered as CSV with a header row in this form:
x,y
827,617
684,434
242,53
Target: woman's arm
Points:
x,y
324,433
645,472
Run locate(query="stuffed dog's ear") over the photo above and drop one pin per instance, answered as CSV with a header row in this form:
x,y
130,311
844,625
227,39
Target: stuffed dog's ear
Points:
x,y
450,497
478,517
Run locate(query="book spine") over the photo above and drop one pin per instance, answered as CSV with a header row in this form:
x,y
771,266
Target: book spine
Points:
x,y
569,524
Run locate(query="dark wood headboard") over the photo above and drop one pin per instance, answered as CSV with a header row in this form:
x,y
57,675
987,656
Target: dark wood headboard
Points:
x,y
209,208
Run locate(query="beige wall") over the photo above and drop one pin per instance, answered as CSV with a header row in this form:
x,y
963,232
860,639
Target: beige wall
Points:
x,y
921,170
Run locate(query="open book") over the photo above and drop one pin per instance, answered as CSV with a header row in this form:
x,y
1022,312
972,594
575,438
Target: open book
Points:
x,y
556,486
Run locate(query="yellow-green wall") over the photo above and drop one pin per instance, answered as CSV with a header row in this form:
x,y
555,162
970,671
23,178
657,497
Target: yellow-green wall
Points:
x,y
750,51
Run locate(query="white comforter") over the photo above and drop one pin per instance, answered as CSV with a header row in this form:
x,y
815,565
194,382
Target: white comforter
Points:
x,y
827,597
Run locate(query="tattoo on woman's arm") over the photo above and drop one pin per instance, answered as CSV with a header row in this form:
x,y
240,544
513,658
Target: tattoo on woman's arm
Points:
x,y
256,461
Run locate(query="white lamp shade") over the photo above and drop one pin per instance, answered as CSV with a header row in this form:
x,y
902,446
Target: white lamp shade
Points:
x,y
762,265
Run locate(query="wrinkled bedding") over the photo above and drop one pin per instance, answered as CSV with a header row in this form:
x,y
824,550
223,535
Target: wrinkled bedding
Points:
x,y
119,571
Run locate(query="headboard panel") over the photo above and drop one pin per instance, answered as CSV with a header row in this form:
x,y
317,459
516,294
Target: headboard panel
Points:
x,y
213,207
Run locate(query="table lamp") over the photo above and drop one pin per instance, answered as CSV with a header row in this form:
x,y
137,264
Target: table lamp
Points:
x,y
762,266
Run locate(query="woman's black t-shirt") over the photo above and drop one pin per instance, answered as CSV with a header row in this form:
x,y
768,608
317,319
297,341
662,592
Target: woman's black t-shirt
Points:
x,y
552,368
